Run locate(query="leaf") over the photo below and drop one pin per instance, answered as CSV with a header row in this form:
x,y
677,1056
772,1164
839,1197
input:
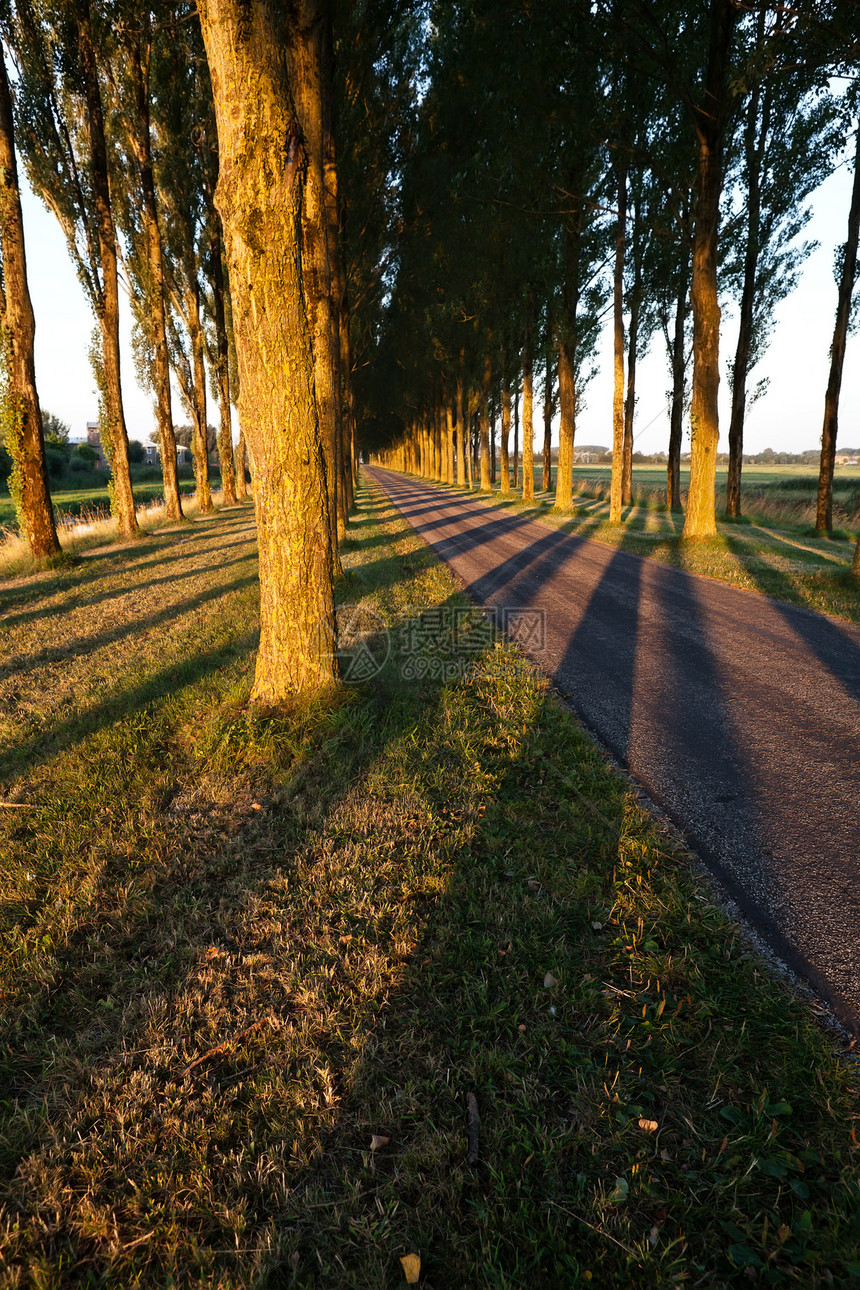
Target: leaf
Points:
x,y
549,981
743,1257
772,1167
799,1188
650,1126
732,1114
411,1264
598,927
620,1192
804,1223
378,1141
779,1108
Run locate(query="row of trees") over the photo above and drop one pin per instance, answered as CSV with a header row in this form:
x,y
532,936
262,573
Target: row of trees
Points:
x,y
637,161
419,209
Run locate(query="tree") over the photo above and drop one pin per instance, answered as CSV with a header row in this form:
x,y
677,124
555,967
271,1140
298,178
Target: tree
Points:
x,y
22,416
847,277
61,128
259,135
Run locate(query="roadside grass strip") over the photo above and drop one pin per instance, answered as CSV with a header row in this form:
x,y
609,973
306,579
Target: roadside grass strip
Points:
x,y
288,999
775,557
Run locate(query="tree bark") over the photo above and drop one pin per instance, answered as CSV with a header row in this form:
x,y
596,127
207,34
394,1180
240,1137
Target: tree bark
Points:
x,y
308,82
461,428
261,194
222,369
847,278
546,480
107,307
528,402
710,121
515,462
616,487
197,396
239,459
755,140
157,324
630,397
22,416
504,453
679,368
486,476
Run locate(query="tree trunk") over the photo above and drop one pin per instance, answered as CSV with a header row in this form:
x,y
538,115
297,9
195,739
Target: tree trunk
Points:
x,y
157,323
528,403
259,135
755,140
504,453
200,443
28,483
567,425
115,437
461,428
546,480
222,370
616,486
337,277
241,466
515,464
710,121
630,399
486,465
307,23
679,368
847,278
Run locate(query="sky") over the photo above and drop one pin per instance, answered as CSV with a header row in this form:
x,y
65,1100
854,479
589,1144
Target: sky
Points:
x,y
787,418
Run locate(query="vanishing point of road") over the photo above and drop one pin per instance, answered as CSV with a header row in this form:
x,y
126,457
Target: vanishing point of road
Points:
x,y
737,714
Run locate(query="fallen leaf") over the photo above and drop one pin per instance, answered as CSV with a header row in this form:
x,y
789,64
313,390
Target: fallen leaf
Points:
x,y
598,927
549,981
256,806
650,1126
378,1141
521,1028
411,1264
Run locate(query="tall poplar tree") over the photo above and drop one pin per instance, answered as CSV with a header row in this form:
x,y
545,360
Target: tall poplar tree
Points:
x,y
261,195
21,413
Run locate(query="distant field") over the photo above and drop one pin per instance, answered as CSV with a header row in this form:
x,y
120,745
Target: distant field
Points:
x,y
83,501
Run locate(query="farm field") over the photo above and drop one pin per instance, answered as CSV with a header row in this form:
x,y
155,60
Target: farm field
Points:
x,y
252,967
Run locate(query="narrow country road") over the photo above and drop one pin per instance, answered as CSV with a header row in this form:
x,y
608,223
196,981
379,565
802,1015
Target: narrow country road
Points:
x,y
738,715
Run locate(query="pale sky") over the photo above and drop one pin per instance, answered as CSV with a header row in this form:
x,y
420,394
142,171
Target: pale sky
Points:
x,y
788,417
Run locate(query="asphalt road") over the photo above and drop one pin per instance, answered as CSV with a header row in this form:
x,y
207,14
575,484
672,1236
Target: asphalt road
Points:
x,y
739,715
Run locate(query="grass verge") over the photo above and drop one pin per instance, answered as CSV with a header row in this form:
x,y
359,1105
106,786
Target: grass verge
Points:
x,y
252,969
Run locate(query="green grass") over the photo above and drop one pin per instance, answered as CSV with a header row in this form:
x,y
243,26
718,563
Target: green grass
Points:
x,y
766,553
87,502
233,949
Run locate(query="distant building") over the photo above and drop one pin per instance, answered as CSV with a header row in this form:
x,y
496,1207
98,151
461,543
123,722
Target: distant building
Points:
x,y
152,457
94,439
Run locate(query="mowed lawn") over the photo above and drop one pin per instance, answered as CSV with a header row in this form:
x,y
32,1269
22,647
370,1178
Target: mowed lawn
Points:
x,y
255,970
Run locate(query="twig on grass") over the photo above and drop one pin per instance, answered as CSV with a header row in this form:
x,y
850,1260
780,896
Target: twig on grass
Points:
x,y
597,1230
474,1126
226,1043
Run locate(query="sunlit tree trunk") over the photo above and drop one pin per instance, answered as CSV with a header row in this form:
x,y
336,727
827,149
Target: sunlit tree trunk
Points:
x,y
615,489
528,402
504,454
197,398
261,195
156,319
461,428
630,399
567,424
116,436
847,278
486,467
710,121
24,437
222,369
239,458
308,83
546,479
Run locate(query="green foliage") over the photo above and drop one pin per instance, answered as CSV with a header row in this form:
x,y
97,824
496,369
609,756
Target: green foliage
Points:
x,y
136,452
55,431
